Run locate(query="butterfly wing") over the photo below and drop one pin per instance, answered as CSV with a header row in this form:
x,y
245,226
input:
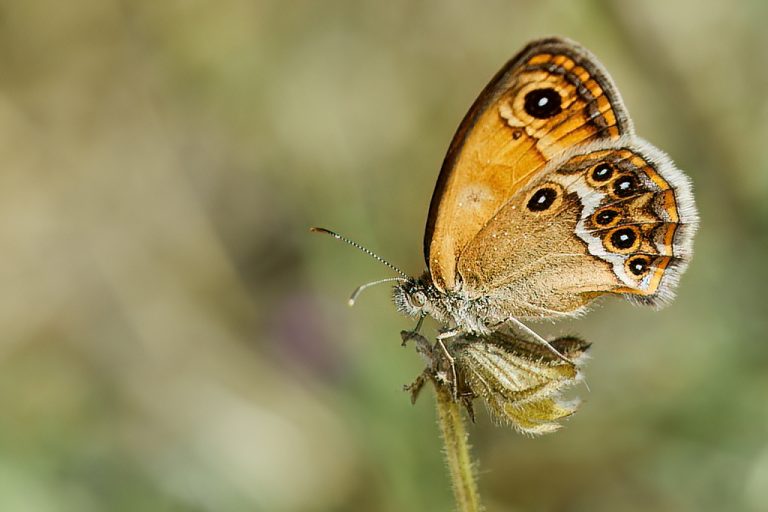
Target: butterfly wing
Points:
x,y
607,217
552,96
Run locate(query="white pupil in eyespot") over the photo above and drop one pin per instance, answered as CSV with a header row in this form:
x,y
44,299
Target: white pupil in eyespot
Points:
x,y
543,101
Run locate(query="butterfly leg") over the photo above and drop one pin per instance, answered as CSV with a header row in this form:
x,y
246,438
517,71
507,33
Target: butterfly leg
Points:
x,y
449,334
439,378
406,336
433,370
454,380
538,339
423,346
424,349
415,387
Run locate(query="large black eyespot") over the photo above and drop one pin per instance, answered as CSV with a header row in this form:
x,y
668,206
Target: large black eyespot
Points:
x,y
542,199
638,265
602,172
624,186
605,217
623,238
543,103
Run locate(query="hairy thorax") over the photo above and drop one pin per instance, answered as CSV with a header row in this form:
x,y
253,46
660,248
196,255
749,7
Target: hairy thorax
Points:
x,y
454,309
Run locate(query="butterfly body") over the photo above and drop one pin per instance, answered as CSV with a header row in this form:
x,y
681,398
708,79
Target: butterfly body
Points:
x,y
454,309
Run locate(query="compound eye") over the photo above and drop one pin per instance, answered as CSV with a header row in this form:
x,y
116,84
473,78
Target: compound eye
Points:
x,y
419,299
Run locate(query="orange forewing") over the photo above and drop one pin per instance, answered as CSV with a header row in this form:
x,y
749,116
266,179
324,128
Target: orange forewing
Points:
x,y
498,147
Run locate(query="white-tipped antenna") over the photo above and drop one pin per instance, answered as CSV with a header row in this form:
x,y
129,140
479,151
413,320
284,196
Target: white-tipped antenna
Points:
x,y
362,287
370,253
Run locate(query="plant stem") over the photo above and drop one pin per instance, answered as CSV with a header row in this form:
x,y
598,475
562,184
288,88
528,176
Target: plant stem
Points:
x,y
457,451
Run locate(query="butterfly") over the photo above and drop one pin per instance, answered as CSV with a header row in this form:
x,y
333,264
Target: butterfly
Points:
x,y
546,200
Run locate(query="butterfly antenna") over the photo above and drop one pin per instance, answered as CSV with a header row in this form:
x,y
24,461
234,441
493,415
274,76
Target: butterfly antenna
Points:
x,y
362,287
360,247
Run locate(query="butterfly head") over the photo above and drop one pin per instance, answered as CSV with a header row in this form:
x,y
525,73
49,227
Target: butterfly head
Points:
x,y
453,309
419,297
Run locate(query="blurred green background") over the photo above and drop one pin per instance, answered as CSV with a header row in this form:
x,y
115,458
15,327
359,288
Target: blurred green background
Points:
x,y
173,339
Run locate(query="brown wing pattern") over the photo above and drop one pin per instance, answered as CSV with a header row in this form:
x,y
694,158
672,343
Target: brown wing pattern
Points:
x,y
617,217
551,96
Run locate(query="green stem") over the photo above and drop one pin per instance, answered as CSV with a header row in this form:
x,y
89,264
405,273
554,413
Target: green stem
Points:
x,y
457,451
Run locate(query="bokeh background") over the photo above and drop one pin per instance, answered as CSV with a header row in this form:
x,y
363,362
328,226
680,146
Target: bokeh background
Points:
x,y
173,339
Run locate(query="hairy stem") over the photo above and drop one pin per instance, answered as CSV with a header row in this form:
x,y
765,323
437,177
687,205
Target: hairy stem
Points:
x,y
457,451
